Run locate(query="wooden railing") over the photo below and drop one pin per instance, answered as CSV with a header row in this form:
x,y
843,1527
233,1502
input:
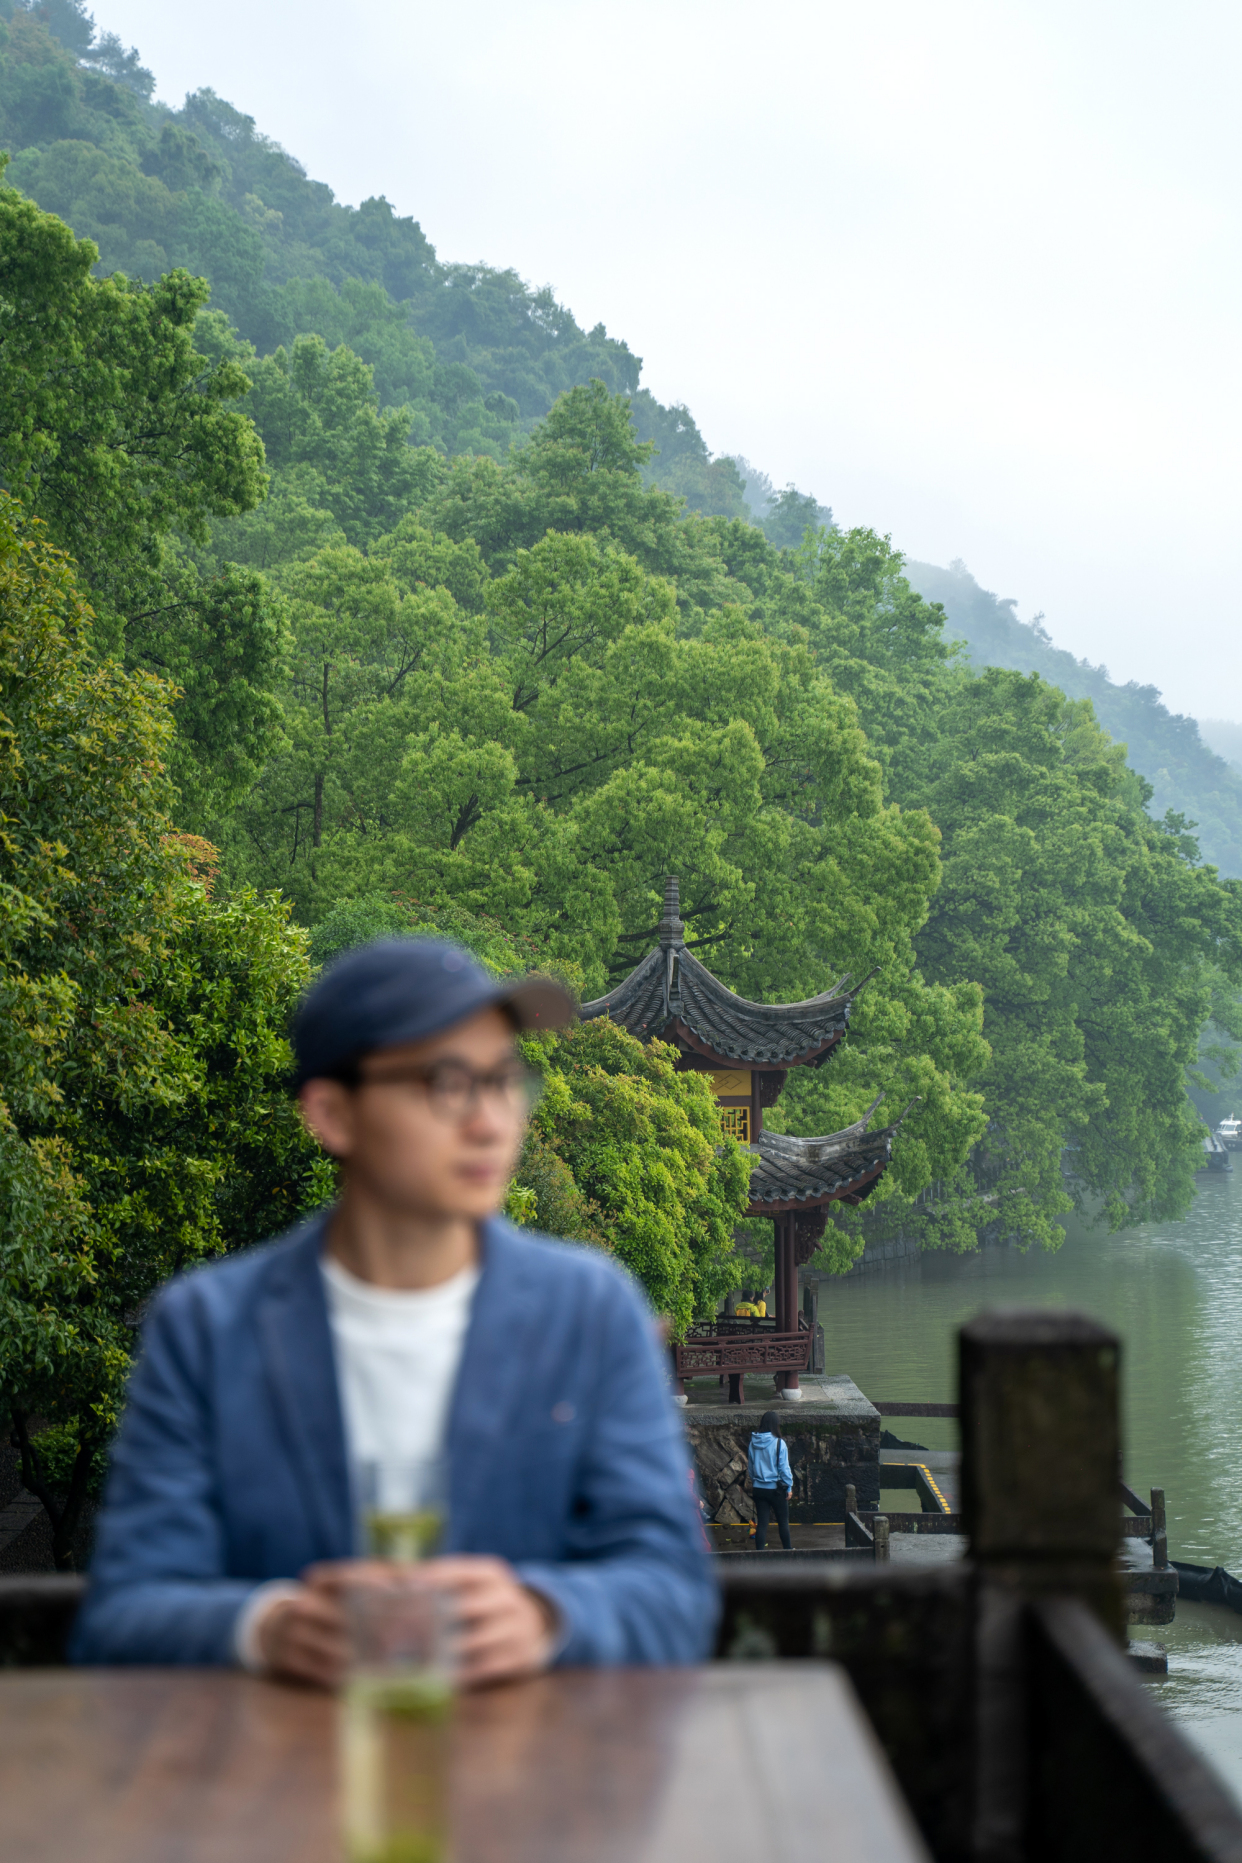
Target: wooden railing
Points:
x,y
699,1358
733,1354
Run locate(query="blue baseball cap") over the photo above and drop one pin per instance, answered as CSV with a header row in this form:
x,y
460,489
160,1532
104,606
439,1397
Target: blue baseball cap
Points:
x,y
405,989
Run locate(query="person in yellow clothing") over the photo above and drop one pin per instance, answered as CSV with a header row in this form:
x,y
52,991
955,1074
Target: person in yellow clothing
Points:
x,y
752,1309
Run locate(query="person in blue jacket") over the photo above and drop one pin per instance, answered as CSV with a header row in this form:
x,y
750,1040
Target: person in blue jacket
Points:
x,y
408,1321
771,1479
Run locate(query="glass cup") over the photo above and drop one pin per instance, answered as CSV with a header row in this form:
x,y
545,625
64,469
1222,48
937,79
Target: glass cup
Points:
x,y
404,1507
394,1721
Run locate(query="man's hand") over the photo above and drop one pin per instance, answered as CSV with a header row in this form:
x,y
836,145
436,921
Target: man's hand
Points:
x,y
304,1639
505,1630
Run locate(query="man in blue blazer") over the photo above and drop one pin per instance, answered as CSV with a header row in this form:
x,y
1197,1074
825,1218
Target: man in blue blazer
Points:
x,y
408,1321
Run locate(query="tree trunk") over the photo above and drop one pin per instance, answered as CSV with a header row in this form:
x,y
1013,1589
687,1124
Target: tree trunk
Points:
x,y
63,1517
317,822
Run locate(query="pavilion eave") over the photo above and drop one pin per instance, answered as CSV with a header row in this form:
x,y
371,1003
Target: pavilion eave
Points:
x,y
855,1190
687,1038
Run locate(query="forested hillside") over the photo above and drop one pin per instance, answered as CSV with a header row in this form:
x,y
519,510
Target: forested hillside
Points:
x,y
471,354
1186,773
457,626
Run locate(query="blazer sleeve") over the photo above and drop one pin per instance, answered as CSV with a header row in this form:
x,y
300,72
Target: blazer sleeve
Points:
x,y
158,1591
635,1584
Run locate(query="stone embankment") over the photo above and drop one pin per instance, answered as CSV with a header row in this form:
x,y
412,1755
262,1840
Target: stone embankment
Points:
x,y
833,1438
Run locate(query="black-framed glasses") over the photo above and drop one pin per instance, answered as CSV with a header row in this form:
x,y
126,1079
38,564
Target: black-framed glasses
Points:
x,y
454,1090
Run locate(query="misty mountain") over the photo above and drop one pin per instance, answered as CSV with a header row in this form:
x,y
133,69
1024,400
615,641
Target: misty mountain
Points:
x,y
476,355
1225,738
1186,773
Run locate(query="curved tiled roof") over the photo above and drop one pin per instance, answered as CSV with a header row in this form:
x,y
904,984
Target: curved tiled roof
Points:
x,y
671,995
792,1172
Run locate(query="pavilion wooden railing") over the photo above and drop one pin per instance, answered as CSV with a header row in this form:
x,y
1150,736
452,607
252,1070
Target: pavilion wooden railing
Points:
x,y
733,1354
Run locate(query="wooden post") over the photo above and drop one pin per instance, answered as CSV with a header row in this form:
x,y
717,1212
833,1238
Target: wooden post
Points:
x,y
780,1296
1159,1531
778,1277
1040,1473
851,1498
786,1292
879,1530
810,1309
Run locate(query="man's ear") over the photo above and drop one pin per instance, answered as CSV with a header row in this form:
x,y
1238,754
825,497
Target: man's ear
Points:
x,y
327,1108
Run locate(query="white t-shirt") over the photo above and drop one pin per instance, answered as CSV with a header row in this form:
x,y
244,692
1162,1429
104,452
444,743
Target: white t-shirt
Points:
x,y
397,1355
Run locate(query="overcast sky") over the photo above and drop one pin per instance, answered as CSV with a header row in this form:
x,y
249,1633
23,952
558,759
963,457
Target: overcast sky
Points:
x,y
969,273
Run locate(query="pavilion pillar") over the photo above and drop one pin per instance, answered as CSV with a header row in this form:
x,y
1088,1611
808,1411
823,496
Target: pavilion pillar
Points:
x,y
786,1290
778,1279
791,1385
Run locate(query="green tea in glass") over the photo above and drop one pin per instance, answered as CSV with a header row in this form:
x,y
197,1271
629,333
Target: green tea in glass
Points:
x,y
404,1506
394,1725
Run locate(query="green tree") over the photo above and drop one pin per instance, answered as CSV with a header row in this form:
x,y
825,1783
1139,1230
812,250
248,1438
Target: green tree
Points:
x,y
317,408
642,1164
1190,771
144,1121
548,761
116,432
1095,934
377,665
581,471
1092,930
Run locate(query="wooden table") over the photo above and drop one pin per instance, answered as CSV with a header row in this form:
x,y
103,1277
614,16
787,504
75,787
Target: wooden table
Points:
x,y
725,1764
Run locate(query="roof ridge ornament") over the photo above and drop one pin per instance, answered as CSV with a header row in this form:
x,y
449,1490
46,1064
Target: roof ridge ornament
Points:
x,y
859,1126
672,931
829,1144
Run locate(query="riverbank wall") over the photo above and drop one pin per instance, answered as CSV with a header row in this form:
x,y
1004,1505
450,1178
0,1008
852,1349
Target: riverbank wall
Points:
x,y
889,1241
833,1438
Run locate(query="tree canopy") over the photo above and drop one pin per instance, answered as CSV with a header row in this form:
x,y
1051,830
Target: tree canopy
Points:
x,y
143,1121
1190,772
118,433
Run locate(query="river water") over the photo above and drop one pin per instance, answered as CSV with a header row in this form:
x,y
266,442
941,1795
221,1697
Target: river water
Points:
x,y
1173,1291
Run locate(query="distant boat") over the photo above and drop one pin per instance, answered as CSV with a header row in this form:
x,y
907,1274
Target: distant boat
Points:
x,y
1218,1158
1229,1131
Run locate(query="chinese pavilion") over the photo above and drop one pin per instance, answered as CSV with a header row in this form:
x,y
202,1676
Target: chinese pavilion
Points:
x,y
748,1049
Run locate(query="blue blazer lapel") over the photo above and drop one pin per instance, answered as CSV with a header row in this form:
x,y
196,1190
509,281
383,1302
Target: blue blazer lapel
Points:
x,y
301,1369
501,1344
